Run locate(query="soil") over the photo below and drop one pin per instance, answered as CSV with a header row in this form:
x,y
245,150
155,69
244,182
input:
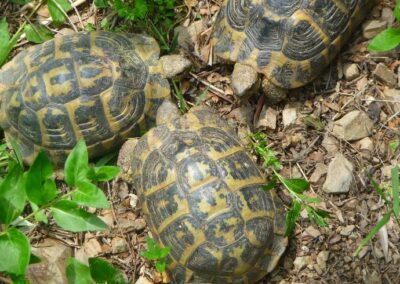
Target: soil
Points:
x,y
314,254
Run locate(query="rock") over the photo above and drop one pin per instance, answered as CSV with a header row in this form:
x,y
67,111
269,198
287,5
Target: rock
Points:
x,y
330,144
322,259
393,96
372,278
351,71
372,28
365,144
244,80
92,248
188,36
311,231
174,64
340,175
346,231
289,116
242,115
118,245
388,16
268,118
385,75
320,170
51,269
143,280
353,126
139,224
301,261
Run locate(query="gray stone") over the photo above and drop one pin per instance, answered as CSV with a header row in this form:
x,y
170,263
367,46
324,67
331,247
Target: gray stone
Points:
x,y
289,116
244,80
167,112
330,144
311,231
188,36
384,74
322,259
139,224
387,15
366,144
242,115
340,175
393,96
373,27
51,269
351,71
174,64
301,261
353,126
118,245
320,170
143,280
268,118
346,231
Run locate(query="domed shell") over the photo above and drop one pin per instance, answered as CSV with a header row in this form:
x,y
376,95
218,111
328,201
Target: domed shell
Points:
x,y
202,195
289,41
100,86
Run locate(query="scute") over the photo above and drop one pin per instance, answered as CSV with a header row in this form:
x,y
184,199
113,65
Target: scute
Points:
x,y
89,85
203,197
285,39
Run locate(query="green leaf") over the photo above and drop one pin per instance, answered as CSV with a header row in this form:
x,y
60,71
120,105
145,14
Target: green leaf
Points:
x,y
20,2
164,252
395,191
107,158
297,185
34,259
70,217
106,173
39,186
12,195
385,41
396,11
77,164
270,185
15,252
40,216
373,232
104,272
161,265
292,217
4,41
37,33
19,279
88,194
101,3
77,272
17,152
56,8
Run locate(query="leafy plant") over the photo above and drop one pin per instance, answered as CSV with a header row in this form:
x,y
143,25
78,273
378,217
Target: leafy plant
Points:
x,y
37,187
389,38
98,271
296,187
157,254
154,16
391,201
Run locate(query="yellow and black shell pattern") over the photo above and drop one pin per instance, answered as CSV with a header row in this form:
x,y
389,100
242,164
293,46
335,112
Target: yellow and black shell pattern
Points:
x,y
99,86
202,195
289,41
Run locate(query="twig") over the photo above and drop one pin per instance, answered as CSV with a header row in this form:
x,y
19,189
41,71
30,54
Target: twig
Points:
x,y
220,93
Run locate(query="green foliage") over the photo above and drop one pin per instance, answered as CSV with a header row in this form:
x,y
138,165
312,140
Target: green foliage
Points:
x,y
58,10
98,271
6,42
153,16
156,253
296,187
389,38
37,33
179,96
38,187
392,202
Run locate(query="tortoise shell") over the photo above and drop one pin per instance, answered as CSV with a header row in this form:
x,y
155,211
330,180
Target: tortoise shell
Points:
x,y
289,41
202,195
99,86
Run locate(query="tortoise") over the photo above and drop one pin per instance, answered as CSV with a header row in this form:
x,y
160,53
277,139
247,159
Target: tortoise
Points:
x,y
290,42
202,195
99,86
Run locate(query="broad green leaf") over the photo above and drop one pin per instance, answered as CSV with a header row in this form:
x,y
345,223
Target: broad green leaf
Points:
x,y
4,41
317,216
106,173
385,41
77,272
37,33
77,164
34,259
373,232
20,2
297,185
56,8
90,195
292,217
107,159
164,252
12,195
17,152
19,279
101,3
397,11
39,186
161,265
395,191
103,272
70,217
40,216
15,252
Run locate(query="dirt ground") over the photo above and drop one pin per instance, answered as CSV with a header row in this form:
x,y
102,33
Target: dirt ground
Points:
x,y
315,254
